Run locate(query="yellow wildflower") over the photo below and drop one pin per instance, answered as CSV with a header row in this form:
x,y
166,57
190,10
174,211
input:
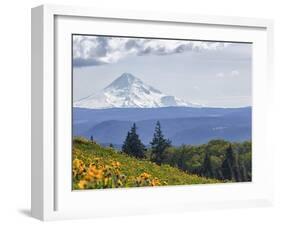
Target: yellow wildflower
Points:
x,y
116,164
82,184
119,183
94,173
155,182
78,166
145,175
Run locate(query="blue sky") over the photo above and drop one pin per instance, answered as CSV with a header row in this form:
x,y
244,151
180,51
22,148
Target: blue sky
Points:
x,y
209,73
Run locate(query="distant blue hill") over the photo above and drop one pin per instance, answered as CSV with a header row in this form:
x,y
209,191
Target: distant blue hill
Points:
x,y
182,125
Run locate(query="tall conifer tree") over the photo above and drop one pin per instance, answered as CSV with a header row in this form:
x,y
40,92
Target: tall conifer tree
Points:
x,y
230,167
132,145
207,169
158,144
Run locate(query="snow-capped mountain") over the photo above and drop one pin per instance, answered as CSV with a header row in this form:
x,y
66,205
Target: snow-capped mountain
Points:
x,y
128,91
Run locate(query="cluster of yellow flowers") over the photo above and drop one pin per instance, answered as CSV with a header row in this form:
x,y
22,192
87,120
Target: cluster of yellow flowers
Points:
x,y
146,179
99,175
78,167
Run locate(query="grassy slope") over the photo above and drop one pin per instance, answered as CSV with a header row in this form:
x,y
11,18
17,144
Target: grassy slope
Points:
x,y
133,167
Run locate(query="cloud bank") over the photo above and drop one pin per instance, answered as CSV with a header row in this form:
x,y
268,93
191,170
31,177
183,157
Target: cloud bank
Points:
x,y
100,50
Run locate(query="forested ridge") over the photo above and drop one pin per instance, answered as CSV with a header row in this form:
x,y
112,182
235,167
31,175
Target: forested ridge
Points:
x,y
219,159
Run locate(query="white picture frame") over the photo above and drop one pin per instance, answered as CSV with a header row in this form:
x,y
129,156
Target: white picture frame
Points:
x,y
52,197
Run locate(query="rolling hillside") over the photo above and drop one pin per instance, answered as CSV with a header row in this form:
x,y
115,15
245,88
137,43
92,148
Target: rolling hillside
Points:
x,y
180,125
97,167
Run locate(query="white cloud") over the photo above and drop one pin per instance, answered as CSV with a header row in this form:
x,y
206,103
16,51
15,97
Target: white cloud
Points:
x,y
97,50
232,73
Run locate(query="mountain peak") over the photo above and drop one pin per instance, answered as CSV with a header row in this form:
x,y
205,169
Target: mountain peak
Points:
x,y
128,91
123,81
127,75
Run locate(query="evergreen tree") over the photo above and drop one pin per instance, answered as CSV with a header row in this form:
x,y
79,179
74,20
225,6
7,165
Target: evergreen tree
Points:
x,y
230,169
207,169
243,172
132,145
126,147
158,144
219,174
236,170
227,170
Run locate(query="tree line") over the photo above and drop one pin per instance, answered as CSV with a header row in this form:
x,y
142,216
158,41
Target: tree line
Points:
x,y
218,159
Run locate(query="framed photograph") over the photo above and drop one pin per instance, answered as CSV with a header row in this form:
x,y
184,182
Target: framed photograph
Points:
x,y
136,113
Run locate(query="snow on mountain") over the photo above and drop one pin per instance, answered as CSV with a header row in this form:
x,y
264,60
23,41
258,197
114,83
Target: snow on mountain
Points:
x,y
128,91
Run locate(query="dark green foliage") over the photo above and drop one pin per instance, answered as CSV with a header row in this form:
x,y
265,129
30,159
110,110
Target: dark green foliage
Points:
x,y
227,165
207,169
218,159
158,144
132,145
243,171
245,164
230,168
